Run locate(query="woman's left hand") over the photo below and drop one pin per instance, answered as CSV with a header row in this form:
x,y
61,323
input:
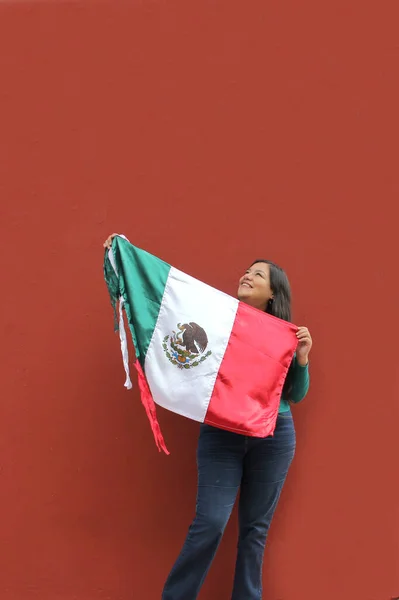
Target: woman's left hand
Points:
x,y
304,345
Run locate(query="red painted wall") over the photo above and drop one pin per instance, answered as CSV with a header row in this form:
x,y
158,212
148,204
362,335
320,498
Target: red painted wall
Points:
x,y
210,132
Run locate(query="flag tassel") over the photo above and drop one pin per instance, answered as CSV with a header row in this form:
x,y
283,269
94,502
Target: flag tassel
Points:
x,y
123,339
145,392
149,405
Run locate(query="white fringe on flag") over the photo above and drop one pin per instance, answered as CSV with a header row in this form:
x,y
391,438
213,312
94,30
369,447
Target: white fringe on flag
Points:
x,y
124,350
122,331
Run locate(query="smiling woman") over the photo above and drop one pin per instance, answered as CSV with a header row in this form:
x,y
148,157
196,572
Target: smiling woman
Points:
x,y
230,462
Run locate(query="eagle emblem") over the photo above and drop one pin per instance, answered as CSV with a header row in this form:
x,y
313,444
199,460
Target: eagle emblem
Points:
x,y
187,346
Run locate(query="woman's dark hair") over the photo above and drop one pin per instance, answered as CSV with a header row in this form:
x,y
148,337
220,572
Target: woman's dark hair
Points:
x,y
279,306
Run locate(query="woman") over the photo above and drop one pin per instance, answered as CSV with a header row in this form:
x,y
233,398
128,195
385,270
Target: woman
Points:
x,y
229,462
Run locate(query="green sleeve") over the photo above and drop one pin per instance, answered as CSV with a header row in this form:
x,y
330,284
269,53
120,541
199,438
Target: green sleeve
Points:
x,y
300,381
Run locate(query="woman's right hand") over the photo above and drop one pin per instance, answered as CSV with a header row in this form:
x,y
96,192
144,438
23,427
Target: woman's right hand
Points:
x,y
108,241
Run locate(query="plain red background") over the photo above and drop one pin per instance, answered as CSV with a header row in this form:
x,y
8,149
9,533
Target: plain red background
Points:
x,y
210,133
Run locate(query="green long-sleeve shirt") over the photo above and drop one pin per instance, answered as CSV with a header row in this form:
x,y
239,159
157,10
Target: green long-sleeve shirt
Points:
x,y
300,386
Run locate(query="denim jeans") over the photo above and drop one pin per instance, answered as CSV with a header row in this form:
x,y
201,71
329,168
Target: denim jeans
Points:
x,y
229,462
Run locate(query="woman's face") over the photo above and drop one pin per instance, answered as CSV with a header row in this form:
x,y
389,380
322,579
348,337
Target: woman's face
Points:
x,y
254,286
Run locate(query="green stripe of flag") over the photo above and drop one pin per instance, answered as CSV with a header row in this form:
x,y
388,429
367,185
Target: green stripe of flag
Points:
x,y
143,285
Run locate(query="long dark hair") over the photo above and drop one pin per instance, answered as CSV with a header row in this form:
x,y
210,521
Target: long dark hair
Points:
x,y
279,306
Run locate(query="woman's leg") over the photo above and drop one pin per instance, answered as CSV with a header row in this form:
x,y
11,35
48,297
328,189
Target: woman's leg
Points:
x,y
266,465
220,459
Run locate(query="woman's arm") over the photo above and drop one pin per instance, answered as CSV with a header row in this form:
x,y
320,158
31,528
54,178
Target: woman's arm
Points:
x,y
300,381
300,366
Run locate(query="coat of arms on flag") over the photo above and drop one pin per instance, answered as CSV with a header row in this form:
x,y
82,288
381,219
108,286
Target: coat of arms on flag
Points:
x,y
199,352
187,347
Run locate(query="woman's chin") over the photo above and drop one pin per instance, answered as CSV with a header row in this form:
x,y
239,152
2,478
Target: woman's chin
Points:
x,y
244,293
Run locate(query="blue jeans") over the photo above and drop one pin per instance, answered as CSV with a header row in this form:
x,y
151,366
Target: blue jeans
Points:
x,y
229,462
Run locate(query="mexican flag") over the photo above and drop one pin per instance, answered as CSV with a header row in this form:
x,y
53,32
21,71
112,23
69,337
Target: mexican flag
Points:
x,y
199,352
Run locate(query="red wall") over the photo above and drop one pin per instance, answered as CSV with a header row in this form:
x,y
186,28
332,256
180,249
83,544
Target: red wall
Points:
x,y
209,132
